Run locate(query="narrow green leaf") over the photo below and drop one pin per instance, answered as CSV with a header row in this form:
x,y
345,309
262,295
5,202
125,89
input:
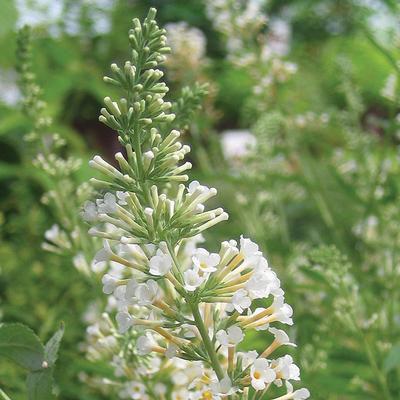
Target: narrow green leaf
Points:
x,y
52,346
39,385
20,344
393,358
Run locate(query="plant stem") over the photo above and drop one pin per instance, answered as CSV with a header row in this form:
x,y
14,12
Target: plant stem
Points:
x,y
206,339
4,396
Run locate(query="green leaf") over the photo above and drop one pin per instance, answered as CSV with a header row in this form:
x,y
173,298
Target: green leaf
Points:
x,y
393,359
52,346
39,385
20,344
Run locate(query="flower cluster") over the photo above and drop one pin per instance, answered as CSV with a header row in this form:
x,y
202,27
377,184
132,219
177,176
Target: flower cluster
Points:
x,y
189,47
242,23
190,308
64,195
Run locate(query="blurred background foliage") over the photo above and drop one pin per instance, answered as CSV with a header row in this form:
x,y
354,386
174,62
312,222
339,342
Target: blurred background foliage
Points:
x,y
327,142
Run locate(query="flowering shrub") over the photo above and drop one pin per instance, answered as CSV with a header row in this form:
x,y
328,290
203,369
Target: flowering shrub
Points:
x,y
187,308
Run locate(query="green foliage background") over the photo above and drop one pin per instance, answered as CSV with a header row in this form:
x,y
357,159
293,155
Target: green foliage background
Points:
x,y
41,289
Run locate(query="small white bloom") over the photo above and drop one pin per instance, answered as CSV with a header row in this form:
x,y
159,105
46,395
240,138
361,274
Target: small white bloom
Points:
x,y
231,337
172,350
109,283
286,369
122,196
282,311
241,300
103,254
192,279
133,390
107,205
205,261
53,234
124,321
261,373
160,264
248,358
147,292
248,248
300,394
281,337
144,345
222,388
89,211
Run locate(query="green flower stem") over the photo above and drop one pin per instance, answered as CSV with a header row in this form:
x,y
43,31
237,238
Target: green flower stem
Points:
x,y
4,396
206,339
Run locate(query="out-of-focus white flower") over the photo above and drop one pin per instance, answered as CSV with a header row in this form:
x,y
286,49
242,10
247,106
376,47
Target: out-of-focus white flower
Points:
x,y
109,283
237,143
124,321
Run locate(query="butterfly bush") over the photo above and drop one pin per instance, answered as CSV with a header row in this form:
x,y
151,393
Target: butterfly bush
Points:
x,y
45,149
187,309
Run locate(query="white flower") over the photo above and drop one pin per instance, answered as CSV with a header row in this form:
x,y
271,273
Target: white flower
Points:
x,y
80,263
282,311
205,261
180,394
261,373
172,350
286,369
144,345
248,248
281,337
241,300
231,337
147,292
53,234
109,283
192,279
222,388
89,211
103,254
122,196
124,321
133,390
300,394
160,264
262,284
107,205
248,358
195,188
130,289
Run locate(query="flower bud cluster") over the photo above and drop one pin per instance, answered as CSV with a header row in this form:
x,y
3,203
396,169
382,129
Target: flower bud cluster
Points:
x,y
144,104
122,217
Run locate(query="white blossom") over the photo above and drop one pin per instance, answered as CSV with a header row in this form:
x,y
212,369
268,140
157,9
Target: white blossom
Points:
x,y
160,264
231,337
205,261
261,373
192,279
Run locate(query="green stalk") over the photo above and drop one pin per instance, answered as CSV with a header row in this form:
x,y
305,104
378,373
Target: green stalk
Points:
x,y
4,396
207,341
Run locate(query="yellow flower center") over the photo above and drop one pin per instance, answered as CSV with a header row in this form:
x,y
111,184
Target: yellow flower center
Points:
x,y
207,395
257,375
